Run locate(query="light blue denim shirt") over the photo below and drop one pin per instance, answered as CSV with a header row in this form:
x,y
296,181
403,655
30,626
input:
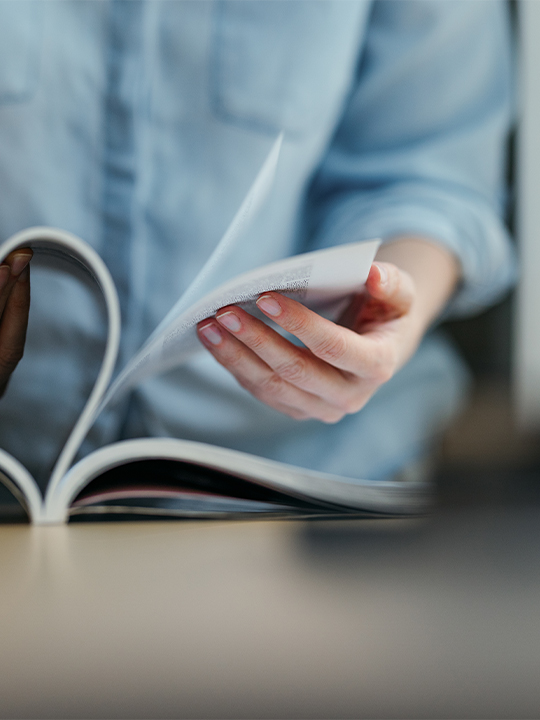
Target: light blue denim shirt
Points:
x,y
140,125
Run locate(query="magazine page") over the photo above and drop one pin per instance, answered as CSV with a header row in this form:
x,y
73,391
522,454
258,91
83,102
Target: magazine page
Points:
x,y
61,246
138,368
323,280
21,484
253,201
347,493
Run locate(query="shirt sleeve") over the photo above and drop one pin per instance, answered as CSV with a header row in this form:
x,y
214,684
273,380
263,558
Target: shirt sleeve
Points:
x,y
421,147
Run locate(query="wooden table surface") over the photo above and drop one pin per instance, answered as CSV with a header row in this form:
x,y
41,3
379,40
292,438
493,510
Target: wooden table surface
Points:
x,y
422,618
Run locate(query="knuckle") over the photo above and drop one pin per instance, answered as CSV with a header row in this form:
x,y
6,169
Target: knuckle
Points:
x,y
385,374
353,398
231,355
332,349
333,417
295,370
298,324
383,371
348,406
271,387
256,342
354,404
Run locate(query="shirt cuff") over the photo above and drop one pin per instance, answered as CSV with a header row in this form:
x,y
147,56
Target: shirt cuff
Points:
x,y
469,230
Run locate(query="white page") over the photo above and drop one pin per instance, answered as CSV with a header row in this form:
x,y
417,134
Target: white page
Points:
x,y
378,496
135,369
256,195
81,258
323,280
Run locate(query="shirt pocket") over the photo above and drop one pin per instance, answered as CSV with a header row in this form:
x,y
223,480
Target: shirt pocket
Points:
x,y
282,65
20,40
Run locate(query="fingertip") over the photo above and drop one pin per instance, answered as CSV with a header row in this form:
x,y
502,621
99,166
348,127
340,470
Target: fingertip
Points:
x,y
383,273
377,279
269,305
210,333
19,262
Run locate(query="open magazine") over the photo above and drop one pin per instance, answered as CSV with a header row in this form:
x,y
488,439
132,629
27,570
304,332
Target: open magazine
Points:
x,y
174,477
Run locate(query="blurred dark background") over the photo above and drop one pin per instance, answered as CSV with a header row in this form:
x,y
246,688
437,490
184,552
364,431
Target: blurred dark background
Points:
x,y
488,455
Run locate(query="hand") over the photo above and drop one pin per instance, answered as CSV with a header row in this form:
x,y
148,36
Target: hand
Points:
x,y
14,308
341,365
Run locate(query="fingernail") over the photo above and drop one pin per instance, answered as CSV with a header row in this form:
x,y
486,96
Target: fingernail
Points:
x,y
383,274
19,262
5,272
230,320
211,333
268,305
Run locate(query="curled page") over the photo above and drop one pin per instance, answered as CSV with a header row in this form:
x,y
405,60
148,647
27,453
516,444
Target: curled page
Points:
x,y
323,280
256,195
251,204
84,258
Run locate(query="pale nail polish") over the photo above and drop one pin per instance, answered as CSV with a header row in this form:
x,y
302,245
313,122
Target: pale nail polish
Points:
x,y
269,306
230,320
211,333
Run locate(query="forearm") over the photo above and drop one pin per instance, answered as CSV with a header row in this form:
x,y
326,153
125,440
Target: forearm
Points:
x,y
434,270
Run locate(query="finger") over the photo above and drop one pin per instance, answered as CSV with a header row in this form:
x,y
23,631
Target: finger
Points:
x,y
392,287
362,356
13,327
10,270
259,379
5,275
295,365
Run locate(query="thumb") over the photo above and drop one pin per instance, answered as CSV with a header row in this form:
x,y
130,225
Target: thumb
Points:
x,y
392,287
